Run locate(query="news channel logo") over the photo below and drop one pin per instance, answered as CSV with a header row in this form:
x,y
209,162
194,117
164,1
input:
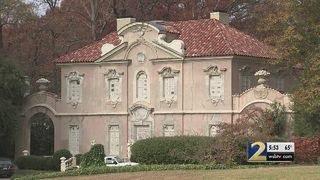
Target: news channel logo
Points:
x,y
270,152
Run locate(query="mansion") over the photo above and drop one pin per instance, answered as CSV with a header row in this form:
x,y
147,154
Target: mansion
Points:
x,y
157,78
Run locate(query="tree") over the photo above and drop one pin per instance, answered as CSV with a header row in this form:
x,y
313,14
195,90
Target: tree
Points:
x,y
12,87
254,124
12,12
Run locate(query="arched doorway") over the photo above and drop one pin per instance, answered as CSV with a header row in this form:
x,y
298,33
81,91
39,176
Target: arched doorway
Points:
x,y
41,135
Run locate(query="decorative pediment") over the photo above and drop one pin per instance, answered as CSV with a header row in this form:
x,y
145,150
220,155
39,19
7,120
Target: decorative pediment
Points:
x,y
212,70
168,72
112,73
74,75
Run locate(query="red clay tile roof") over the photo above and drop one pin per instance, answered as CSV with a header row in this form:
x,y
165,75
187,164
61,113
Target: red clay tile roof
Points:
x,y
206,37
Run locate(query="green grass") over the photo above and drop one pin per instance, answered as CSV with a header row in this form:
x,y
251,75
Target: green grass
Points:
x,y
269,173
196,171
23,173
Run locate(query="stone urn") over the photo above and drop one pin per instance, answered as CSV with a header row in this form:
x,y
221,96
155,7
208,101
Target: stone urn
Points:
x,y
43,84
262,75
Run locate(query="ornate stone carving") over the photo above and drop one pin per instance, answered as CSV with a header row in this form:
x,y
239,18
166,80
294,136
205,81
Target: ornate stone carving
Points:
x,y
212,70
215,81
141,29
141,57
168,72
168,130
176,45
113,81
261,91
140,112
74,88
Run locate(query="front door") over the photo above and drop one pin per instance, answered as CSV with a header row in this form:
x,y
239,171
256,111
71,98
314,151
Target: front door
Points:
x,y
114,139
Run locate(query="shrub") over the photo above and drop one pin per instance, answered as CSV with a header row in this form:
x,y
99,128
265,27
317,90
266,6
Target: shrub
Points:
x,y
34,162
173,150
78,158
307,150
254,124
95,157
57,155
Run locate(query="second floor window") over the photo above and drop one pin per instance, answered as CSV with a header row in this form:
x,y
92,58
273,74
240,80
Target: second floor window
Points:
x,y
169,87
113,80
216,86
74,82
142,86
114,89
74,90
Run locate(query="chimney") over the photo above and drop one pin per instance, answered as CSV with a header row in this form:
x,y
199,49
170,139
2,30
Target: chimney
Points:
x,y
223,17
121,22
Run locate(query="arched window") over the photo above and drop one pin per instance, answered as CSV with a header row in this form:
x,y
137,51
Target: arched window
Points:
x,y
142,86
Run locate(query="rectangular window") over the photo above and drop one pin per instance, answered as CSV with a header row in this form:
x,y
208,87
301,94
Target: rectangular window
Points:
x,y
280,84
246,82
216,86
168,87
114,89
74,90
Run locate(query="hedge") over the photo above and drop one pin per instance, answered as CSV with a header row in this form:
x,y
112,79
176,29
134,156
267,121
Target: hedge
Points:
x,y
41,162
34,162
174,150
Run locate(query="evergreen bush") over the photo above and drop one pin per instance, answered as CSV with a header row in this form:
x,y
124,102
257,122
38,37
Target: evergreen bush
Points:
x,y
95,157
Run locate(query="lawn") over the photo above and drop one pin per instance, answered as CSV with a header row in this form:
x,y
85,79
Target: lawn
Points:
x,y
21,173
288,172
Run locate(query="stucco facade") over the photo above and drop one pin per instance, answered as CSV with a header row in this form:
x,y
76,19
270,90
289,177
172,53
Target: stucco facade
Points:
x,y
143,87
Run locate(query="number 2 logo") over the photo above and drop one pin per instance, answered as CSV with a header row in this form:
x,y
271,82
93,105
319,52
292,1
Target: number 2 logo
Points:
x,y
258,155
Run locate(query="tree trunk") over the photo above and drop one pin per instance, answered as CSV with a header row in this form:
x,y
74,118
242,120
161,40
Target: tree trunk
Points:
x,y
93,18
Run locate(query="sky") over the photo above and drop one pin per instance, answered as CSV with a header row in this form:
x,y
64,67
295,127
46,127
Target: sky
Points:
x,y
40,7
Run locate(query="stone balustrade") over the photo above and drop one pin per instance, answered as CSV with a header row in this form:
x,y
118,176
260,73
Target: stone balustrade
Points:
x,y
68,164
